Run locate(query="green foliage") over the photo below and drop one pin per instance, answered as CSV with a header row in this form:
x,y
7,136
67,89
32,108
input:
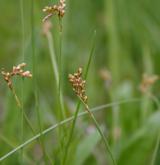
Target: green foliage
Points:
x,y
127,45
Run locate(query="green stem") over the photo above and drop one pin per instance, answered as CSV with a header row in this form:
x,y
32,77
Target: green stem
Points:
x,y
57,69
155,150
149,69
24,114
57,74
46,157
23,56
79,103
108,149
155,99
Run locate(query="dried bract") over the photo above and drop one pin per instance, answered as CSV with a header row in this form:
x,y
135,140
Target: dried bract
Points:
x,y
78,85
16,71
55,9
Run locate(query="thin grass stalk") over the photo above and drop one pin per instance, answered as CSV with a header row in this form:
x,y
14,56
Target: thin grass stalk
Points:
x,y
19,104
114,59
79,102
45,155
149,69
51,128
108,149
60,90
155,152
23,56
57,74
60,72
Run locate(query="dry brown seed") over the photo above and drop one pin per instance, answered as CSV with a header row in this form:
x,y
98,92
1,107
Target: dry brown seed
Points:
x,y
78,85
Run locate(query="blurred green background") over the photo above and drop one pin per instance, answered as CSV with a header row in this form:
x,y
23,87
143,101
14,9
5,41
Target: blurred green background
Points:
x,y
127,46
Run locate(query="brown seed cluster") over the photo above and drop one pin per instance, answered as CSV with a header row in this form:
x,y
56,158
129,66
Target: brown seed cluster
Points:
x,y
78,85
147,82
16,71
55,9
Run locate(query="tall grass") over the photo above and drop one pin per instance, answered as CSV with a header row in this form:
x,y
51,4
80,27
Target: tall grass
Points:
x,y
127,45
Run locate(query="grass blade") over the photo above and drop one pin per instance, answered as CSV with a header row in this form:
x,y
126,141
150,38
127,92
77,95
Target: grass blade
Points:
x,y
46,131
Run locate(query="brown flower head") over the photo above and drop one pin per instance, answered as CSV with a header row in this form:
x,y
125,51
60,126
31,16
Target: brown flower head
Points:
x,y
78,85
147,82
55,9
16,71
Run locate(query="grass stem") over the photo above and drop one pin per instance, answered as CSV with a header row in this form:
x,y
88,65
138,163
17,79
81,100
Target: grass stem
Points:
x,y
23,56
45,155
108,149
79,103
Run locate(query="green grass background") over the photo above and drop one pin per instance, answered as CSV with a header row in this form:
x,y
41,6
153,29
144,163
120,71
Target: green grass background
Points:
x,y
127,44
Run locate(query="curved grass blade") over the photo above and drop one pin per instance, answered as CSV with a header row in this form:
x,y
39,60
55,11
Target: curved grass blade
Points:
x,y
46,131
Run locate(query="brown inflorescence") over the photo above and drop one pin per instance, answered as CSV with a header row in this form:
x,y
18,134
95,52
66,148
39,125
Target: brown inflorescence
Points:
x,y
55,9
16,71
78,85
147,82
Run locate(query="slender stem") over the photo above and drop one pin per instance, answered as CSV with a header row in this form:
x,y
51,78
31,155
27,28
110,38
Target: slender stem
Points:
x,y
79,103
155,150
57,69
71,133
60,74
23,56
53,58
100,132
149,69
56,72
155,99
51,128
46,157
24,114
62,115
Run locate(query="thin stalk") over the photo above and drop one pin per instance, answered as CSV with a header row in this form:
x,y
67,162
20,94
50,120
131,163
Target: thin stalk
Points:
x,y
57,69
155,150
46,157
108,149
62,115
149,69
23,56
51,128
57,73
20,107
79,102
114,58
153,161
60,72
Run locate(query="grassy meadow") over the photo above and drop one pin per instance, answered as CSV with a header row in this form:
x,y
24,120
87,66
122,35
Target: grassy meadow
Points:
x,y
46,118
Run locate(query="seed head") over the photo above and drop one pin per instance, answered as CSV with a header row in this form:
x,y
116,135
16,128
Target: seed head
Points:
x,y
147,82
16,71
78,84
55,9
